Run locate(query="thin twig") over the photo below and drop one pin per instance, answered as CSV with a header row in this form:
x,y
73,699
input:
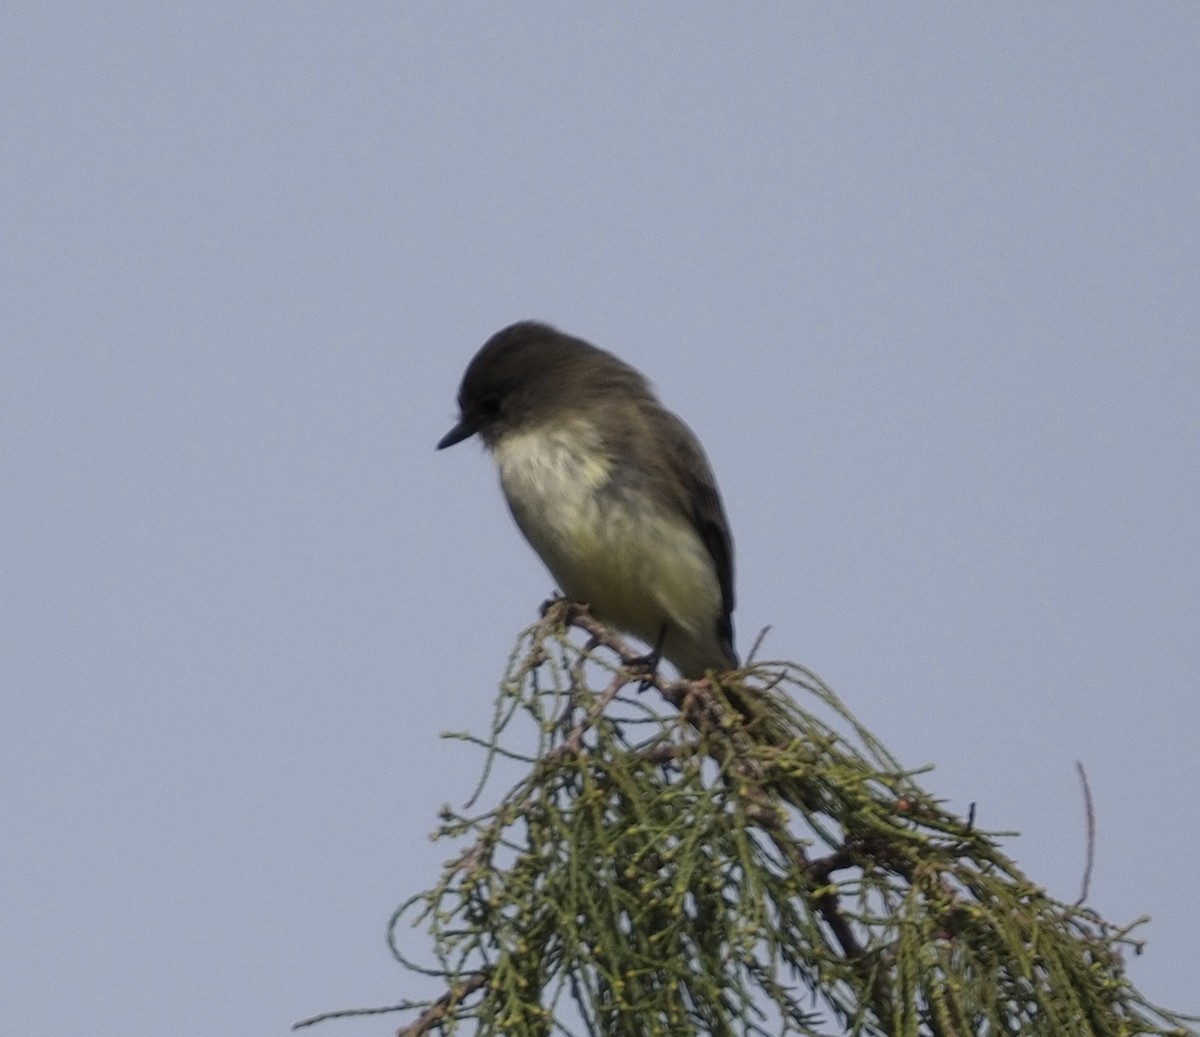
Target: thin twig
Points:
x,y
436,1012
1090,808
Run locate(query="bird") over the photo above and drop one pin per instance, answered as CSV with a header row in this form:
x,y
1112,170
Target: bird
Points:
x,y
611,489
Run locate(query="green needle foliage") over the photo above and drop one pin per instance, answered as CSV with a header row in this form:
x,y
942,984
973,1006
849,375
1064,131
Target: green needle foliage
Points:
x,y
740,858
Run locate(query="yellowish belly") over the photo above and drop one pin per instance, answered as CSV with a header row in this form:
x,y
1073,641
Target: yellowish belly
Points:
x,y
637,565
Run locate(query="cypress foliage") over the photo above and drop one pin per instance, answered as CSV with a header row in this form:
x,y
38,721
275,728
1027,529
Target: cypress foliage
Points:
x,y
694,858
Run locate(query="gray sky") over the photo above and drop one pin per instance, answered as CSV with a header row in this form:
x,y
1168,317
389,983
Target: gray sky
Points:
x,y
922,277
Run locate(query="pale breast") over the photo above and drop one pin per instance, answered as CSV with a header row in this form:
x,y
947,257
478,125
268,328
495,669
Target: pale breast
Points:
x,y
552,479
638,566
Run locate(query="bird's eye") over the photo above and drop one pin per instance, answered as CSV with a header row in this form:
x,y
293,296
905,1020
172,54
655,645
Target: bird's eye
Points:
x,y
489,407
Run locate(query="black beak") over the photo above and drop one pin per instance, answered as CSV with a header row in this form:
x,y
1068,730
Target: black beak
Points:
x,y
465,429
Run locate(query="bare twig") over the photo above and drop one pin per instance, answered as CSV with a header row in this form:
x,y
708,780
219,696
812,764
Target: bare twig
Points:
x,y
436,1012
1090,809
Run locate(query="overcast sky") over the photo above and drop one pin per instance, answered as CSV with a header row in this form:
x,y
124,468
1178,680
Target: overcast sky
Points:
x,y
922,277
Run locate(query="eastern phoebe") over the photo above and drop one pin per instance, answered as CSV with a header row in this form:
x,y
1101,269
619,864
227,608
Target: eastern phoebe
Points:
x,y
609,487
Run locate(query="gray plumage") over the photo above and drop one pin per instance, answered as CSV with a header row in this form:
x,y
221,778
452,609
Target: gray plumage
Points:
x,y
611,489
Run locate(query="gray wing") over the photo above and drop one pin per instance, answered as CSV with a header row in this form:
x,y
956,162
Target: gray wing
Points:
x,y
700,501
649,443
